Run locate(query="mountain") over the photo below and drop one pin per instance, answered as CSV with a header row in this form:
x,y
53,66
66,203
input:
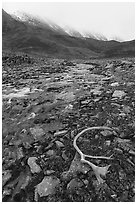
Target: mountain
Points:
x,y
34,35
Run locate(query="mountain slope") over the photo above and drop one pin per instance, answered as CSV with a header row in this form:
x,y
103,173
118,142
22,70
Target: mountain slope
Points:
x,y
36,36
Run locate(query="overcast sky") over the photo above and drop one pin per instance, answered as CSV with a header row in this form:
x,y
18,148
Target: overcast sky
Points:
x,y
110,19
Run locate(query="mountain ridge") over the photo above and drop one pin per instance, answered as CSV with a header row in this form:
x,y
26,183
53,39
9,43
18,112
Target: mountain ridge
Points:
x,y
43,39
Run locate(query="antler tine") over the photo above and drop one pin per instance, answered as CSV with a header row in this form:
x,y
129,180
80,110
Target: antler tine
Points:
x,y
81,133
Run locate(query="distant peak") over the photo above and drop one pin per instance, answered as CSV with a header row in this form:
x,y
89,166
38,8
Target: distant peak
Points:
x,y
62,29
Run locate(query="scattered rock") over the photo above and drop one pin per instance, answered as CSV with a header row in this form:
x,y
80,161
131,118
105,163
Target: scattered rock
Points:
x,y
53,103
122,115
106,133
32,115
47,187
49,172
118,94
34,167
96,91
50,153
20,153
126,109
75,167
115,84
74,184
108,142
60,133
64,156
37,132
6,175
7,192
59,144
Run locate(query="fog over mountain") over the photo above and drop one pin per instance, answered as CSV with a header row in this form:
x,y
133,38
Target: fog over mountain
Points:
x,y
29,33
114,20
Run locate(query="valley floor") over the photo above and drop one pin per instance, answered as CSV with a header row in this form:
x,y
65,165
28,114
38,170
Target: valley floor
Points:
x,y
46,103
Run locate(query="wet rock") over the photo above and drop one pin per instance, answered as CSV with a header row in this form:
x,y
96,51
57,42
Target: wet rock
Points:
x,y
118,94
47,187
34,167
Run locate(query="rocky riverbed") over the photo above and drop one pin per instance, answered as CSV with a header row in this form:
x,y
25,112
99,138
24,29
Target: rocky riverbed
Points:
x,y
45,104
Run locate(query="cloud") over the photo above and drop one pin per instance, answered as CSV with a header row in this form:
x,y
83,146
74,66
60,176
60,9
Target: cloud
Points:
x,y
110,19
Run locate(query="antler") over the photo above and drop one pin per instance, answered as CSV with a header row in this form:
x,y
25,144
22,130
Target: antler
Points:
x,y
97,170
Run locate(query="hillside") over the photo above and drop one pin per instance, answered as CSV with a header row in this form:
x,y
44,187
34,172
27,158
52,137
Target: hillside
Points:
x,y
36,36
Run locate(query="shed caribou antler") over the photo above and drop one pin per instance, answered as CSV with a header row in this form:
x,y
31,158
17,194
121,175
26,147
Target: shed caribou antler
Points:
x,y
97,170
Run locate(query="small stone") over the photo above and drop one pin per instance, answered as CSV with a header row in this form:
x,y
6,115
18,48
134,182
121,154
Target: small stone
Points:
x,y
118,151
132,152
115,84
109,66
59,144
64,156
126,109
77,166
108,142
60,133
69,107
74,184
97,99
106,133
6,175
122,135
34,167
85,102
115,104
118,94
86,182
50,153
122,115
32,115
49,172
96,92
37,132
48,186
26,181
7,192
20,153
